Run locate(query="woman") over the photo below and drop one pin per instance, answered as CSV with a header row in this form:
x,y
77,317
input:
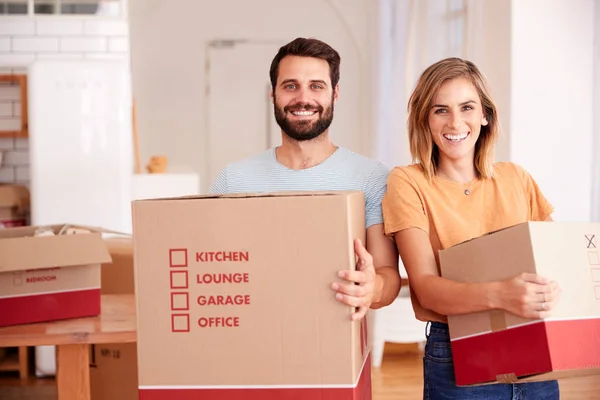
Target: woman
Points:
x,y
454,192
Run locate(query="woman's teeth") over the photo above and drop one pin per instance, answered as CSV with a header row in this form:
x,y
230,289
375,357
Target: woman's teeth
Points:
x,y
456,137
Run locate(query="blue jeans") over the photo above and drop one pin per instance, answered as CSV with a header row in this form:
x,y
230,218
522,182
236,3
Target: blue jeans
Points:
x,y
439,382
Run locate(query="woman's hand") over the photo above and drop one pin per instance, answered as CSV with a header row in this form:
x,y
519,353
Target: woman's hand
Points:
x,y
528,295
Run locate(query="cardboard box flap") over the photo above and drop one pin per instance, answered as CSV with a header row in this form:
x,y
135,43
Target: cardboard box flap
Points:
x,y
95,229
14,196
485,234
58,229
256,195
18,253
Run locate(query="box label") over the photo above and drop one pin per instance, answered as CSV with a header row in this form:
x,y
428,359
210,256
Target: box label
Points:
x,y
207,271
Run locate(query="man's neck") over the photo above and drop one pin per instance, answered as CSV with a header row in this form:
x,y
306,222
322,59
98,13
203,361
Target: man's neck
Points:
x,y
304,154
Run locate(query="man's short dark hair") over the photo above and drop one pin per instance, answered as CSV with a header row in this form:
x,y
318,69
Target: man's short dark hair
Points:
x,y
308,48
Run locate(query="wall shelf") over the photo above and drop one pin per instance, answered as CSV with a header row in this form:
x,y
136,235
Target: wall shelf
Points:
x,y
21,81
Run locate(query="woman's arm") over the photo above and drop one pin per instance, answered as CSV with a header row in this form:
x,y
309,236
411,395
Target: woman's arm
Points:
x,y
522,295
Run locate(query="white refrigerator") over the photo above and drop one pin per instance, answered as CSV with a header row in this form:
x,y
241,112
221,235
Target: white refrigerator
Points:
x,y
80,149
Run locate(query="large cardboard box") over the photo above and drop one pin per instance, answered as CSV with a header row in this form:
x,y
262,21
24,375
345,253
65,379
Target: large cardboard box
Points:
x,y
234,299
46,278
496,346
113,366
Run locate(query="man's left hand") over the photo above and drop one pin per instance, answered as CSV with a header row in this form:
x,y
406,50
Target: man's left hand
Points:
x,y
358,290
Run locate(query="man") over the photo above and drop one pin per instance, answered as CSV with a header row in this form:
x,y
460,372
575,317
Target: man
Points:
x,y
304,79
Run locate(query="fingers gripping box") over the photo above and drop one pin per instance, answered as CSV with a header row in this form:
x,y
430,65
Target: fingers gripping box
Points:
x,y
234,299
499,347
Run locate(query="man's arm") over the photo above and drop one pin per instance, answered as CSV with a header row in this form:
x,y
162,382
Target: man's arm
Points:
x,y
385,260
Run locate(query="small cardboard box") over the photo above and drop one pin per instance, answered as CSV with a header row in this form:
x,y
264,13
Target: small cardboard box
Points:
x,y
496,346
234,299
46,278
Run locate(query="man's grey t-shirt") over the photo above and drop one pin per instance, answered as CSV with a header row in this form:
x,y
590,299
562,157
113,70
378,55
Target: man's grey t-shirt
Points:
x,y
343,170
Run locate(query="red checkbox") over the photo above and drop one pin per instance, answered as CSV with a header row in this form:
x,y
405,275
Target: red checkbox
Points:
x,y
178,258
593,258
180,301
597,290
180,323
179,280
596,275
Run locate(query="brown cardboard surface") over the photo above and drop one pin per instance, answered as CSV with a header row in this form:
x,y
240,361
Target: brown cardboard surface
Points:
x,y
113,369
117,276
560,251
49,280
21,251
557,251
285,251
41,277
113,372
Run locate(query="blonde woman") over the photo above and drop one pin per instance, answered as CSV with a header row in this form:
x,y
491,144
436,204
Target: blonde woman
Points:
x,y
454,192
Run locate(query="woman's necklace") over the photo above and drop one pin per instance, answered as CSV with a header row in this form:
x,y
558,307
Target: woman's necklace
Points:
x,y
468,184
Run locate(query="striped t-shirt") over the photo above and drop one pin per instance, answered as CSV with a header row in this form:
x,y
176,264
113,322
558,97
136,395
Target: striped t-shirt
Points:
x,y
343,170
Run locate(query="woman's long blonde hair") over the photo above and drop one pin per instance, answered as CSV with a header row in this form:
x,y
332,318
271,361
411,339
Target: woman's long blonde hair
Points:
x,y
423,149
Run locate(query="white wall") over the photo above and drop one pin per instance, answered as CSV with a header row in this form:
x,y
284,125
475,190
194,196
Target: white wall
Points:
x,y
411,36
552,99
390,83
25,39
169,41
538,55
488,33
596,132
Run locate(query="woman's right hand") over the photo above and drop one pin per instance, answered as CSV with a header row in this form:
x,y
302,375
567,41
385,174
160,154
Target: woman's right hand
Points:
x,y
528,295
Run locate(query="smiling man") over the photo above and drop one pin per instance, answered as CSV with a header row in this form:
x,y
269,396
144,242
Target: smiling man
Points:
x,y
304,79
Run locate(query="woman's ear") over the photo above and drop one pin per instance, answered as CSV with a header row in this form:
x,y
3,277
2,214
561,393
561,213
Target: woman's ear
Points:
x,y
484,121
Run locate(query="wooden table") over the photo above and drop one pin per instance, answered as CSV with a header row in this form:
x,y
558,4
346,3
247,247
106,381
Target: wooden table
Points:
x,y
73,338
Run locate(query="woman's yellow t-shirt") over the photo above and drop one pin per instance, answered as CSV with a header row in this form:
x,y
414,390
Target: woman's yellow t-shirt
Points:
x,y
449,215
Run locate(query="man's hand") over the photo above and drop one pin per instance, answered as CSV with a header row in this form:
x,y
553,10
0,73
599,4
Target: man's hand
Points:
x,y
358,290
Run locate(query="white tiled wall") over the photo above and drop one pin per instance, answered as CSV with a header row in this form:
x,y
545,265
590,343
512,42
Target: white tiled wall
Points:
x,y
22,40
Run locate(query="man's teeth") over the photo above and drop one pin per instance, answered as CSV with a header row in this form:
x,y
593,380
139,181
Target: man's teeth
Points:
x,y
457,137
303,113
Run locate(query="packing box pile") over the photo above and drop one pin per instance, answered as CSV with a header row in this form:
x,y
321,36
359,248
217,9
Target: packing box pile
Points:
x,y
234,299
496,346
49,273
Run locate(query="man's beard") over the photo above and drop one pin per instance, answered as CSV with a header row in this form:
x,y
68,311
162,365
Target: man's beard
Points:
x,y
304,129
